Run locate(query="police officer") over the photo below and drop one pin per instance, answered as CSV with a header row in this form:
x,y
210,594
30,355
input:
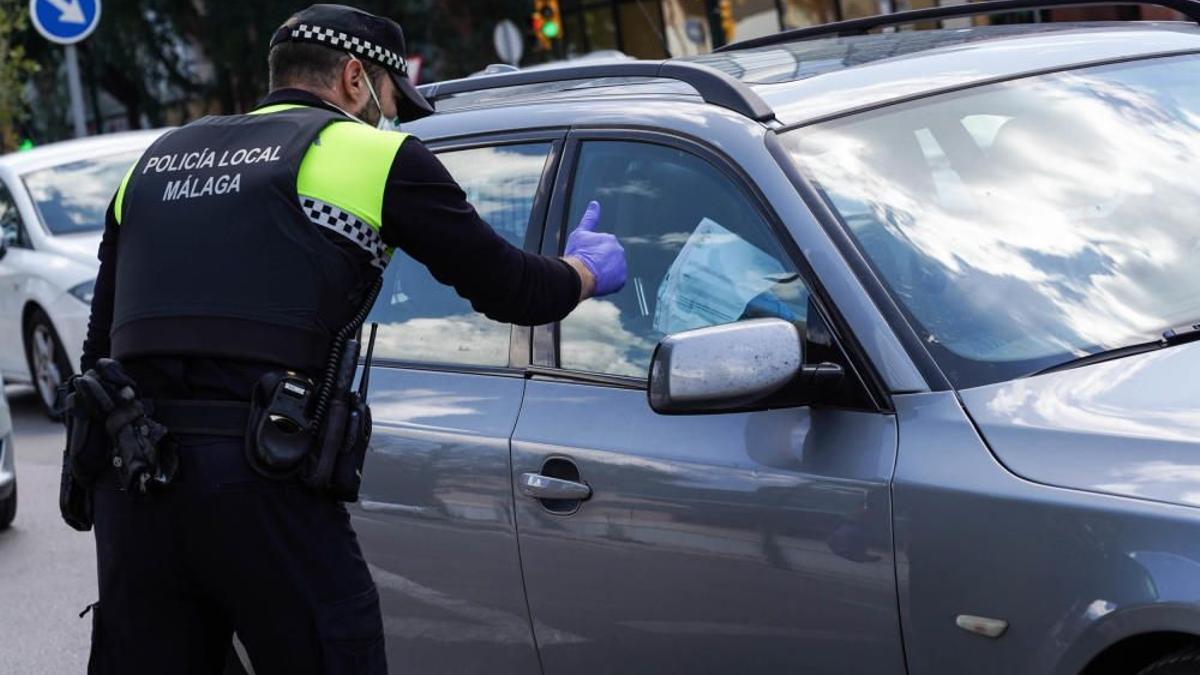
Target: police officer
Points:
x,y
238,245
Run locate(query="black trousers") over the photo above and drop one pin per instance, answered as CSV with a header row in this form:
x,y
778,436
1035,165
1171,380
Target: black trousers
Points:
x,y
225,550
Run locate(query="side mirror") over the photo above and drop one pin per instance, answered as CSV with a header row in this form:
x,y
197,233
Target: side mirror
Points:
x,y
733,367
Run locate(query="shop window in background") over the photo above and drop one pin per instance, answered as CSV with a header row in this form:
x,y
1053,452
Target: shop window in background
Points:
x,y
857,9
588,26
641,31
686,26
754,18
572,35
906,5
599,28
634,27
802,13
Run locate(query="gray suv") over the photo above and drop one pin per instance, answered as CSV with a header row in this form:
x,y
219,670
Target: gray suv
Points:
x,y
901,380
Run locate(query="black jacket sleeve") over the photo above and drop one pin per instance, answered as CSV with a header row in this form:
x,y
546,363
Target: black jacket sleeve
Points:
x,y
96,346
426,214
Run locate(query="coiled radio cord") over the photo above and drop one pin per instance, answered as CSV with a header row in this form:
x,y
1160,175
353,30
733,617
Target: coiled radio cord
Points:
x,y
325,391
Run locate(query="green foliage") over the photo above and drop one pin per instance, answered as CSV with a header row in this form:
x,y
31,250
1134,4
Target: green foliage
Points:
x,y
15,70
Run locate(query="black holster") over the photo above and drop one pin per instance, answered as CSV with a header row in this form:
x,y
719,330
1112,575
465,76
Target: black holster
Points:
x,y
144,454
85,456
108,426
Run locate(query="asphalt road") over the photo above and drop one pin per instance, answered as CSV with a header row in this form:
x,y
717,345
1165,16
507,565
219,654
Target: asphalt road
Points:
x,y
47,570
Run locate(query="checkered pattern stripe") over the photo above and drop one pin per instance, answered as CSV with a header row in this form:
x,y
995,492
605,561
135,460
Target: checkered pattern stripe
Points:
x,y
363,48
349,226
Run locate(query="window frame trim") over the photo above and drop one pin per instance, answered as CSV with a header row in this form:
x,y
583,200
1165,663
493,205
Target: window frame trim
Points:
x,y
547,338
444,367
520,337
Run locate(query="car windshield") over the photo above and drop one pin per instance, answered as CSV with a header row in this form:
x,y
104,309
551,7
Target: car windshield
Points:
x,y
72,198
1023,224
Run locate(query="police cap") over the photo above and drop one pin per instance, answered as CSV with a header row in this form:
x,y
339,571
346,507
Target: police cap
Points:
x,y
366,36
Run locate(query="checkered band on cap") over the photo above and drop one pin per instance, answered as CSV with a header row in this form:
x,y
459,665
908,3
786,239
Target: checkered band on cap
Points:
x,y
351,227
360,47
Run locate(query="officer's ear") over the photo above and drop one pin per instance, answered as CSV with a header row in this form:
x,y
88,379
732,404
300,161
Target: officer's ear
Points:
x,y
352,80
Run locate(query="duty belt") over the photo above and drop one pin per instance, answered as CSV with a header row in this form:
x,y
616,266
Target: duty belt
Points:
x,y
208,418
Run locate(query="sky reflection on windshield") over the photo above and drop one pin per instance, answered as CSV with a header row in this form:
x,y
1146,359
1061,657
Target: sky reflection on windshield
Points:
x,y
73,197
1067,231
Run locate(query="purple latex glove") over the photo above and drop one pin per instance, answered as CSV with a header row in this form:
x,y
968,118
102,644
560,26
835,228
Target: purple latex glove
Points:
x,y
600,252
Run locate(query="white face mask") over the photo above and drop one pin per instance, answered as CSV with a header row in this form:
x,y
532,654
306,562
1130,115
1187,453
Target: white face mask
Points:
x,y
388,124
385,123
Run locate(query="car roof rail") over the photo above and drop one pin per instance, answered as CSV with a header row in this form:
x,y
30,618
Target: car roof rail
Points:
x,y
714,86
496,69
1189,8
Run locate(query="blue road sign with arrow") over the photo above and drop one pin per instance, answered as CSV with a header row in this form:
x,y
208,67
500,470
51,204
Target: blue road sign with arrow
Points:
x,y
65,21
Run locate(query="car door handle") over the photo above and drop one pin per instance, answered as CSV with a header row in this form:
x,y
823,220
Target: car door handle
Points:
x,y
544,487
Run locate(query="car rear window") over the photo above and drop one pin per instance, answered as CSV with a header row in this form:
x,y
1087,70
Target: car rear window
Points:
x,y
423,320
73,197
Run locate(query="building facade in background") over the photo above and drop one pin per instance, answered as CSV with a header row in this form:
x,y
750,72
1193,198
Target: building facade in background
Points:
x,y
656,29
145,67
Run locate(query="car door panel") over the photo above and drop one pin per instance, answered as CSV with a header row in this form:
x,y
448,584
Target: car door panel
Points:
x,y
746,542
749,543
435,519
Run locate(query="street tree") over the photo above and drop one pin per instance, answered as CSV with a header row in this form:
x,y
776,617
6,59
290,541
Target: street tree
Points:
x,y
15,70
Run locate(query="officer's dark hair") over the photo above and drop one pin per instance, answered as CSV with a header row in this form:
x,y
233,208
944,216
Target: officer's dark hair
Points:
x,y
301,63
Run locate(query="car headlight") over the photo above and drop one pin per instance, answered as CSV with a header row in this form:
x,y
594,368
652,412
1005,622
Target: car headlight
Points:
x,y
84,292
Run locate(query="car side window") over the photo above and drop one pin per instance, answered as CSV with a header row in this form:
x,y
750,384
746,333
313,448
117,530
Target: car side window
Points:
x,y
11,227
699,254
424,320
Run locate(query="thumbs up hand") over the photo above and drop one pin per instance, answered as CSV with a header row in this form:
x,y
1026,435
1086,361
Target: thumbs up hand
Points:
x,y
600,252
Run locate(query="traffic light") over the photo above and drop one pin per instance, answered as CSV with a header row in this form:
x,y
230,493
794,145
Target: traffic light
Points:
x,y
547,22
728,24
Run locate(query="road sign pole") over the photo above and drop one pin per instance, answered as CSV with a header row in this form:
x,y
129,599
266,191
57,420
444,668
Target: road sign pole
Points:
x,y
76,90
66,22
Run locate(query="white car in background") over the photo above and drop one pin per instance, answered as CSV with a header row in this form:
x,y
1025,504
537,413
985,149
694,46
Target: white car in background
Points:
x,y
52,205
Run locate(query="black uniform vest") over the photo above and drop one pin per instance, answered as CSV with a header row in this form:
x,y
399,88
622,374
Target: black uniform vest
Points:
x,y
215,256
